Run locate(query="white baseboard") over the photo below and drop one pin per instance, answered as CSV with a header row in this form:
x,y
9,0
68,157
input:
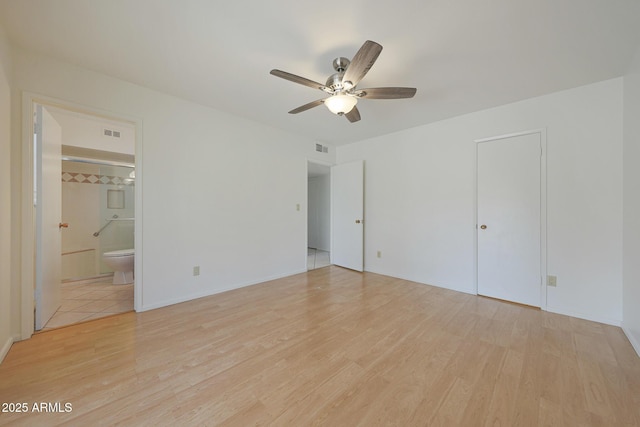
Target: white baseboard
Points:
x,y
635,341
464,290
5,348
147,307
605,320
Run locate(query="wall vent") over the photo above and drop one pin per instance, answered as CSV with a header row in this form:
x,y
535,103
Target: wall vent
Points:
x,y
111,133
322,148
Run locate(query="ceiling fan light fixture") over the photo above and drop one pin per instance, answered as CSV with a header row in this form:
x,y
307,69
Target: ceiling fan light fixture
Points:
x,y
340,103
341,85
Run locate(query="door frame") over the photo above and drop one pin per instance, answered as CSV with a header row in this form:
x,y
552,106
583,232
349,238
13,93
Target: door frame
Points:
x,y
27,208
542,132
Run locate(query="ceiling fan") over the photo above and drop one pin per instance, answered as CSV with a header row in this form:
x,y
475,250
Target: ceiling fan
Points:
x,y
341,86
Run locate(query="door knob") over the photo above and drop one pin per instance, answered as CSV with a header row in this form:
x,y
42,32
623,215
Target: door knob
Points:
x,y
358,221
63,225
484,227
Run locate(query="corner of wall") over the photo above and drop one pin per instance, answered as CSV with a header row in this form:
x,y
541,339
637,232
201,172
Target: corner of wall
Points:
x,y
635,341
6,338
631,204
5,348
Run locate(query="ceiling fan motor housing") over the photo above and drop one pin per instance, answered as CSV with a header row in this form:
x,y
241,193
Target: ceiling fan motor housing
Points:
x,y
334,82
340,64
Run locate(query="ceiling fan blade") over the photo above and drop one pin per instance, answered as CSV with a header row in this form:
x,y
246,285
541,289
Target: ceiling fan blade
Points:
x,y
388,92
362,62
298,79
353,115
306,107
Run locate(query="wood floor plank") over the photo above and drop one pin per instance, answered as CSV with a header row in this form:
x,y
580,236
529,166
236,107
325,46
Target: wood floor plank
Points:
x,y
330,347
501,407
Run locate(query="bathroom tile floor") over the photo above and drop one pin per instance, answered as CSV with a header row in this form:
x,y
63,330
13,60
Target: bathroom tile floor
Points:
x,y
87,300
317,258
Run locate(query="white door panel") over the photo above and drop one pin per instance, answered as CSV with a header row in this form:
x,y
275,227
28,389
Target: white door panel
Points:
x,y
347,222
509,218
48,216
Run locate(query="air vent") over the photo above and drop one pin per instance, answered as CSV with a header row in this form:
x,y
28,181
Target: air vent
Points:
x,y
322,148
111,133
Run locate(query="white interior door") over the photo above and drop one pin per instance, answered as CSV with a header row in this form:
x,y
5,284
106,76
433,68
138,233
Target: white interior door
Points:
x,y
509,219
48,216
347,224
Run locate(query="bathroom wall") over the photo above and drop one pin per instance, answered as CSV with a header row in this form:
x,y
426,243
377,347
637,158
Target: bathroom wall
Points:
x,y
84,208
119,234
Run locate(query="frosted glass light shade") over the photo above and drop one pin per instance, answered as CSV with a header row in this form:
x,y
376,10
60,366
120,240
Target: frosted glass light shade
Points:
x,y
340,103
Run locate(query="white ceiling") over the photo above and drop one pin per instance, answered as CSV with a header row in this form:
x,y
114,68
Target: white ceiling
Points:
x,y
462,55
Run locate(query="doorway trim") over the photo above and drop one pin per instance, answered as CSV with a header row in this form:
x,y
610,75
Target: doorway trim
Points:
x,y
543,207
27,208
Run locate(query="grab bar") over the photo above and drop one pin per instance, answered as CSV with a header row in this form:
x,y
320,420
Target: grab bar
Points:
x,y
113,218
97,233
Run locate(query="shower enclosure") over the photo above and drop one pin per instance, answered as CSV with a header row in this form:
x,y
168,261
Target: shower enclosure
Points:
x,y
98,205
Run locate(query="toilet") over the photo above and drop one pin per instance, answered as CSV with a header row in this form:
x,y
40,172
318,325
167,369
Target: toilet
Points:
x,y
121,262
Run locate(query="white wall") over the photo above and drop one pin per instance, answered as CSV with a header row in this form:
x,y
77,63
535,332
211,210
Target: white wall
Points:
x,y
5,196
420,197
631,271
218,191
81,130
319,213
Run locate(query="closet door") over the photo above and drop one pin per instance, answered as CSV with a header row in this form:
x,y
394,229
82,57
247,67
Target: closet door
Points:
x,y
509,219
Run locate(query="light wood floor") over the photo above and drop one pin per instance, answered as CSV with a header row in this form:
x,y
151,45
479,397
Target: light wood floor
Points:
x,y
329,347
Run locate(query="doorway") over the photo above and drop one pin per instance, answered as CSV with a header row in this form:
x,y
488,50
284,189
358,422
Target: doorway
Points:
x,y
511,218
318,215
80,178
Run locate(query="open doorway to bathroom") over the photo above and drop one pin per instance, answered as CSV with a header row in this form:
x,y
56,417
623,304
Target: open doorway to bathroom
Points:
x,y
318,220
86,271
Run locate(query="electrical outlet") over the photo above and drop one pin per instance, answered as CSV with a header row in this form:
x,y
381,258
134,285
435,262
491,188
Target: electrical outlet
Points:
x,y
552,281
379,254
196,270
297,206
